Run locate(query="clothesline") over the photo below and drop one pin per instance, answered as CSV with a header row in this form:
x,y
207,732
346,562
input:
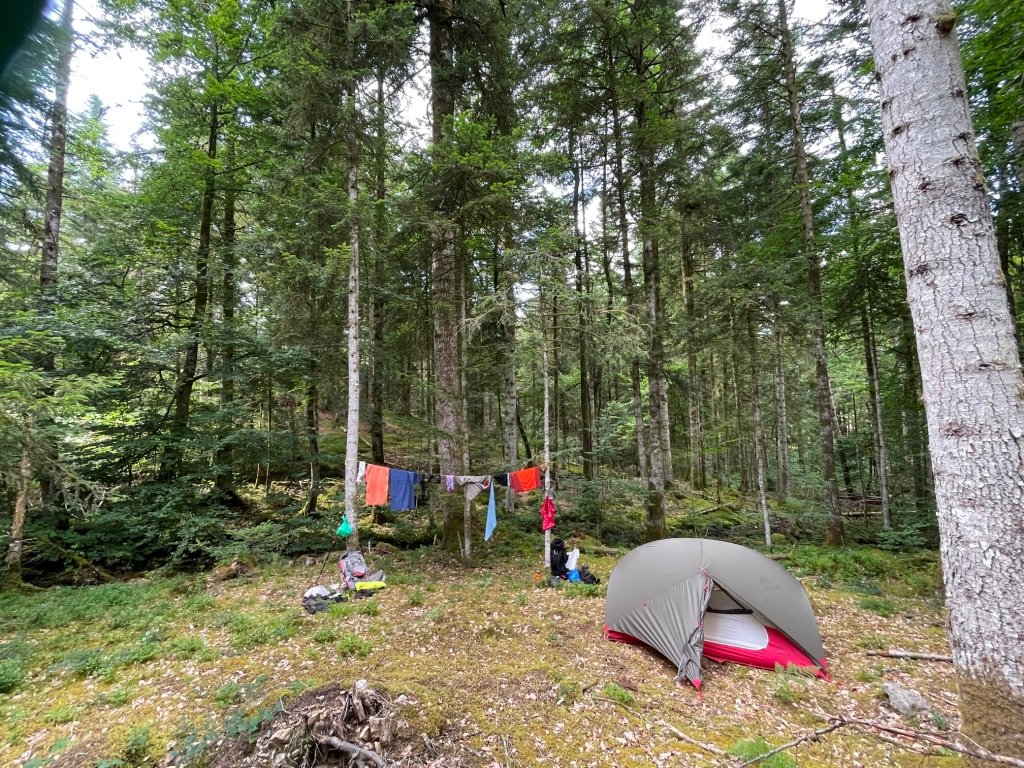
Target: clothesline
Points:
x,y
398,485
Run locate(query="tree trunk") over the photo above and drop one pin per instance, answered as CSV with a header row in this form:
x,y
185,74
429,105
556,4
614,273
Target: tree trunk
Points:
x,y
781,411
509,426
875,409
225,457
12,577
627,274
377,300
760,460
355,251
583,315
698,476
171,463
834,533
467,506
313,433
443,275
655,497
54,203
737,401
970,368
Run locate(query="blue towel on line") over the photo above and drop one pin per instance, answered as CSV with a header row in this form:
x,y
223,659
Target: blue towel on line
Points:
x,y
402,487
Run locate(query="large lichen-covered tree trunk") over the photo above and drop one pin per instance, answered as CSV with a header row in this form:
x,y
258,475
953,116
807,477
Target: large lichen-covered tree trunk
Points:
x,y
972,380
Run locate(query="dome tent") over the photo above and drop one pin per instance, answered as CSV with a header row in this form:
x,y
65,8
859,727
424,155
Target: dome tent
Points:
x,y
688,598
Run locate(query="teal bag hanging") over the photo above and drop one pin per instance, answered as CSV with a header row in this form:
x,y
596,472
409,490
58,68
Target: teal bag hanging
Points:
x,y
345,529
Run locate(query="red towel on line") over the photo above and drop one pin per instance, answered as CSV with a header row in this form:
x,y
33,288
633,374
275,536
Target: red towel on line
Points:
x,y
525,480
376,485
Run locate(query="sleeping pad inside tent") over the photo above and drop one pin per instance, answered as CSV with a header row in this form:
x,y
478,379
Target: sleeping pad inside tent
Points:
x,y
691,598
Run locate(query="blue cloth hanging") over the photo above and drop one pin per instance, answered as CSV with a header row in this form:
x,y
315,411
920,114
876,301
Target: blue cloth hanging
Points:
x,y
492,516
402,486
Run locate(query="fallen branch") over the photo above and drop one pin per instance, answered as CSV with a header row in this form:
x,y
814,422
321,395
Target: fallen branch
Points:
x,y
357,753
812,736
692,741
977,752
895,653
77,559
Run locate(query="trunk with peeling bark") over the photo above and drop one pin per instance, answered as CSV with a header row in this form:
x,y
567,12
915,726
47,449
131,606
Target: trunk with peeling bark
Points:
x,y
352,320
12,576
970,369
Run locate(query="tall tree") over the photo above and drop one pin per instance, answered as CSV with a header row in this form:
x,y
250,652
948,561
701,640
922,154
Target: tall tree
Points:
x,y
826,416
970,367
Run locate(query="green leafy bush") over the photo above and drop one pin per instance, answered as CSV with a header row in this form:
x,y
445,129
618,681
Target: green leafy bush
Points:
x,y
11,675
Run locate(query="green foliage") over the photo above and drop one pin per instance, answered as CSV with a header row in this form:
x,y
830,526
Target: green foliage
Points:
x,y
324,635
416,598
879,605
748,749
352,645
618,694
228,694
579,589
12,673
61,715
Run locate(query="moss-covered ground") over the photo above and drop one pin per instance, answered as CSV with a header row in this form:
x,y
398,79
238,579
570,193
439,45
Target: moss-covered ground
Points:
x,y
512,671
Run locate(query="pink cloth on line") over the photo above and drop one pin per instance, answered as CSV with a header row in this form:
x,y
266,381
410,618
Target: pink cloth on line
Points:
x,y
547,514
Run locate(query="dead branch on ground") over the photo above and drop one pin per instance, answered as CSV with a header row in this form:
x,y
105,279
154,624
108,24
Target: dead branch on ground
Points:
x,y
896,653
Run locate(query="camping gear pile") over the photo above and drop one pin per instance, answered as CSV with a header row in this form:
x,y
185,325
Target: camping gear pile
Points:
x,y
565,565
695,598
356,582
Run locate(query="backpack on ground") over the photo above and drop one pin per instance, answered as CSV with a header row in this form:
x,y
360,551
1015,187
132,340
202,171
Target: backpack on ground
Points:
x,y
559,559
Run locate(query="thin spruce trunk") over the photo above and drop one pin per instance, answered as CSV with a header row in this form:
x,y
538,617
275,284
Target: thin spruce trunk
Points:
x,y
53,206
313,431
467,506
875,410
781,410
582,314
834,532
171,462
54,202
377,293
698,477
760,460
225,457
627,275
734,377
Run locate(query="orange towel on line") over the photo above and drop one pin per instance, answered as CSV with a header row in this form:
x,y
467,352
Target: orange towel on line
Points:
x,y
525,480
376,485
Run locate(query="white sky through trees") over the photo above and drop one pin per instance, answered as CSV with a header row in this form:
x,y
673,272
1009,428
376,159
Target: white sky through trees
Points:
x,y
118,77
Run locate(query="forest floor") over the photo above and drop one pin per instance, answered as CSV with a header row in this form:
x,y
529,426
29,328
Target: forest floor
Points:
x,y
483,667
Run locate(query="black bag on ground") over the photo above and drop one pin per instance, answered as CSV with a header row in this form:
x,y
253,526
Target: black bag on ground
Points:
x,y
587,577
559,558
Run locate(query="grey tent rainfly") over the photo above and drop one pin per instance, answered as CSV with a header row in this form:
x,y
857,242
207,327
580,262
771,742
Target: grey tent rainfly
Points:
x,y
694,598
